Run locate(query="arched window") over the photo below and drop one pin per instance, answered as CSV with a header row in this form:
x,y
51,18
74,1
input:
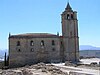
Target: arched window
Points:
x,y
42,43
53,42
18,43
31,43
68,17
72,16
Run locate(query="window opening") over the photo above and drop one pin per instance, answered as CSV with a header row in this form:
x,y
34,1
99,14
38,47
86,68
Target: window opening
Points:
x,y
68,17
19,50
32,50
31,43
53,42
18,43
71,33
53,49
61,43
42,43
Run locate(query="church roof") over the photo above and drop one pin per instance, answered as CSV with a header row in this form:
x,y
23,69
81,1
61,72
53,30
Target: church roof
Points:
x,y
34,35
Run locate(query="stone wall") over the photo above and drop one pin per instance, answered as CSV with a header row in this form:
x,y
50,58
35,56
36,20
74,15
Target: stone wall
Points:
x,y
47,53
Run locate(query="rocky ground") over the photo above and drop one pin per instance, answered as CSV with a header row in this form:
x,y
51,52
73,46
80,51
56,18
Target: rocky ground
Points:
x,y
53,69
38,69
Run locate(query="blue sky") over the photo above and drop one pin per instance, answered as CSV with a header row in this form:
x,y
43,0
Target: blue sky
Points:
x,y
27,16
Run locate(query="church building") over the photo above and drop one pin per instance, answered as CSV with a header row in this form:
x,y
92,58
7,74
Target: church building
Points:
x,y
31,48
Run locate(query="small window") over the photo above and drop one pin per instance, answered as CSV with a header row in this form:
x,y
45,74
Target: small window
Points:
x,y
71,33
53,42
31,43
18,43
42,43
71,16
61,43
68,17
32,49
19,50
53,49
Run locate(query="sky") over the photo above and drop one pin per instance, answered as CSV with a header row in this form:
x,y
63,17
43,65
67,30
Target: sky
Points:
x,y
44,16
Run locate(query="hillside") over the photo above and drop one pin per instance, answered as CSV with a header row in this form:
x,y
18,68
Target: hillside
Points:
x,y
90,53
88,47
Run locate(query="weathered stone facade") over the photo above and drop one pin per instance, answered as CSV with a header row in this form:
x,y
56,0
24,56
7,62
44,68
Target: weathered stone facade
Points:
x,y
70,34
32,48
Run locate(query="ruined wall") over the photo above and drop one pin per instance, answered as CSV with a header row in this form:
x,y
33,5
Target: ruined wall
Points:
x,y
32,54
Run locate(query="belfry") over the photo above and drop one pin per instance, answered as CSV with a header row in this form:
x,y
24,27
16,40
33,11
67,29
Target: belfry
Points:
x,y
70,34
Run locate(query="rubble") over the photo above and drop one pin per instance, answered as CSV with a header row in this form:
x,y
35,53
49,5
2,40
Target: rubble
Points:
x,y
10,72
47,69
26,72
37,69
67,63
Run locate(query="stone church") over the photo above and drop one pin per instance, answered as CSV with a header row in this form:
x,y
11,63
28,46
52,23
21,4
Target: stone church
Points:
x,y
30,48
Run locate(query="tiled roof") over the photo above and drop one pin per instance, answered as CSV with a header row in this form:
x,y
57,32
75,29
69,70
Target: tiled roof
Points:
x,y
34,35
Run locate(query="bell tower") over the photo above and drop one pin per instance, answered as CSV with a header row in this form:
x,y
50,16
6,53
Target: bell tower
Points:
x,y
70,34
